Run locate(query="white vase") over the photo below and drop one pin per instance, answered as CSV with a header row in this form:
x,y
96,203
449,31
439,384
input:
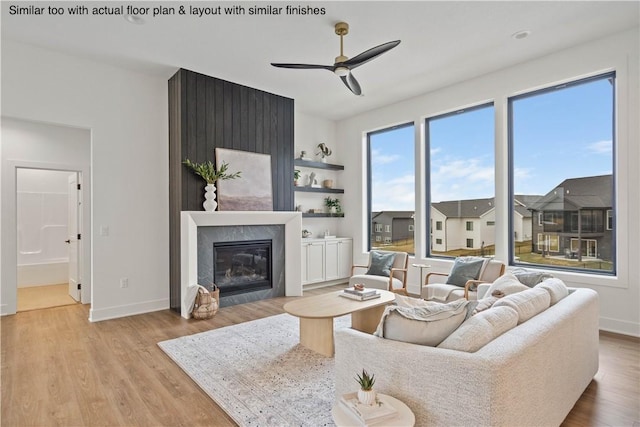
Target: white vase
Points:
x,y
210,203
367,397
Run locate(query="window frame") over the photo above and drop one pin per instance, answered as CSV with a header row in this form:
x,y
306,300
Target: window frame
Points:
x,y
612,76
369,175
427,170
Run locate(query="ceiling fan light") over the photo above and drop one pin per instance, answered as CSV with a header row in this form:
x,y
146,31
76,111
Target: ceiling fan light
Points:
x,y
341,71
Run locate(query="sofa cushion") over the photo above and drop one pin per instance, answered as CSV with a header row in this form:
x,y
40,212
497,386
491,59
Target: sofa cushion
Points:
x,y
465,269
529,277
381,264
480,329
507,284
526,303
424,325
482,304
556,288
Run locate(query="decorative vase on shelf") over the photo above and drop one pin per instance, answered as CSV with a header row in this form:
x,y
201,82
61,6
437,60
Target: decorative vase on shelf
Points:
x,y
210,203
367,397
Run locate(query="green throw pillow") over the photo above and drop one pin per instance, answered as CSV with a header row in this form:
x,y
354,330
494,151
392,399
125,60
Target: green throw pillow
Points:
x,y
381,264
465,268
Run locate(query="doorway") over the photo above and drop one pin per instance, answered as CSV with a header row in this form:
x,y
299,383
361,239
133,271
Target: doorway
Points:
x,y
48,241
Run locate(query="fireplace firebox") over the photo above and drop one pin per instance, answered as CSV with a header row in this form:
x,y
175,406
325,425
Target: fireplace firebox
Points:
x,y
243,266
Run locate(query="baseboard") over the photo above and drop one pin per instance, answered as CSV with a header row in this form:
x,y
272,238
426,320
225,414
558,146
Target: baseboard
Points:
x,y
97,315
622,327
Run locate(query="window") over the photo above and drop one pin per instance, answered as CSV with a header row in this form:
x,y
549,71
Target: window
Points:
x,y
460,175
469,243
438,241
491,223
573,201
378,228
391,182
378,238
410,228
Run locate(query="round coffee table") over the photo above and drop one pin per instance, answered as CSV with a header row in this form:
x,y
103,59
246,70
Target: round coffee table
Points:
x,y
343,417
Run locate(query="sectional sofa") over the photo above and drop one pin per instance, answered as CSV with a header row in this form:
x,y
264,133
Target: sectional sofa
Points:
x,y
531,375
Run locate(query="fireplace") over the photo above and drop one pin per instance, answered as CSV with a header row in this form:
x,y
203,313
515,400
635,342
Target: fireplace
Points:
x,y
242,266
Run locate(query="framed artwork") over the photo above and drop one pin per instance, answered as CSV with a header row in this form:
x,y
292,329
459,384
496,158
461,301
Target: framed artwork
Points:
x,y
252,191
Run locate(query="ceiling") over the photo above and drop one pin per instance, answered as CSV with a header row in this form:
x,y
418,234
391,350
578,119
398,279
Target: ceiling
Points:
x,y
442,43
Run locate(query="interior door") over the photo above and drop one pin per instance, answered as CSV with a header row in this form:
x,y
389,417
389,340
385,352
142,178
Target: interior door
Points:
x,y
72,241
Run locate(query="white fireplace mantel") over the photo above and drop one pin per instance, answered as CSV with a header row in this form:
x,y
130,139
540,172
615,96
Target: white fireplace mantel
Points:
x,y
191,220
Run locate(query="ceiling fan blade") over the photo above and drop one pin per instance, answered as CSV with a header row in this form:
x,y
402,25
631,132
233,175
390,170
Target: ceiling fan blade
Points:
x,y
305,66
351,83
370,54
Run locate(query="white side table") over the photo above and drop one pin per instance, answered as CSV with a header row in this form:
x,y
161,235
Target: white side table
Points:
x,y
345,418
421,267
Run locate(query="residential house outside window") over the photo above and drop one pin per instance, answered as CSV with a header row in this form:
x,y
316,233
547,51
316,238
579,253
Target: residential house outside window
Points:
x,y
391,188
461,181
561,147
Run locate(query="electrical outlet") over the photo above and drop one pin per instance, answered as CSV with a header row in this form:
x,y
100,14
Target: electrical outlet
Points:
x,y
124,282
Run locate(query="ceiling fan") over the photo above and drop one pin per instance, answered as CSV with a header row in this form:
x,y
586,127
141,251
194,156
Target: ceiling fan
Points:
x,y
343,65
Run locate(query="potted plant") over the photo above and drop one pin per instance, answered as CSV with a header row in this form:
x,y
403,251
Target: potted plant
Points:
x,y
296,177
211,175
366,393
323,152
333,205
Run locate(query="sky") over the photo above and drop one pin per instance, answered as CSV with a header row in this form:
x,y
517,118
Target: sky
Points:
x,y
566,133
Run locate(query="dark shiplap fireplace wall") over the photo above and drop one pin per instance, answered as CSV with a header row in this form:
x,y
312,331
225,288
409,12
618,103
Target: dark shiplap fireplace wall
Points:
x,y
205,113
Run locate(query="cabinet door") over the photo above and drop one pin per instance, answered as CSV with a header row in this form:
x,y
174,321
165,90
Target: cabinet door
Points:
x,y
303,269
315,262
345,257
331,260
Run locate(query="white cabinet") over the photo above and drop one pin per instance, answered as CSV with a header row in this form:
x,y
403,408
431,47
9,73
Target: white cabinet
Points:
x,y
314,254
326,260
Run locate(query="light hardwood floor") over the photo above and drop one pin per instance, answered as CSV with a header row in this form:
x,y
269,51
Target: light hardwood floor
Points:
x,y
38,297
59,369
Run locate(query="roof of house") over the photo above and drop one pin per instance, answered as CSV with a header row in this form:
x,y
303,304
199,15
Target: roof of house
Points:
x,y
578,193
473,208
393,214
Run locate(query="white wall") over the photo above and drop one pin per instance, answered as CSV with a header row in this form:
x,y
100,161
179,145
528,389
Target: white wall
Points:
x,y
620,296
126,112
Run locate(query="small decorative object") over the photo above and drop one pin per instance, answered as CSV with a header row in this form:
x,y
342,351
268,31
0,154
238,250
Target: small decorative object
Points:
x,y
333,205
313,182
296,177
327,183
358,287
299,208
323,152
306,233
366,394
303,155
211,175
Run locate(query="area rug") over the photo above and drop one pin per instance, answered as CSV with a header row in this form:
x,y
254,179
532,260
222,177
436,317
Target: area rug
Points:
x,y
259,374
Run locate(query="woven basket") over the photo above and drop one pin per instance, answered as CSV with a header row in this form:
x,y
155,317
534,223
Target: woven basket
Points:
x,y
206,305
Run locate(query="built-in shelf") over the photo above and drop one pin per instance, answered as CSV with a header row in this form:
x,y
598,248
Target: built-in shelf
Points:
x,y
319,190
322,215
317,165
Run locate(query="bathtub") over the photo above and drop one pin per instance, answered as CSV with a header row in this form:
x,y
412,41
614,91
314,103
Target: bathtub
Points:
x,y
42,256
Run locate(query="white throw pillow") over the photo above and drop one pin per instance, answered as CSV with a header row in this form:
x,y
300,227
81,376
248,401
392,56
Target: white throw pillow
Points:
x,y
427,325
526,303
507,284
556,288
481,329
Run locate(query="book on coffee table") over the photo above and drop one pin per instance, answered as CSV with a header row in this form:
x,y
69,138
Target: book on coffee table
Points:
x,y
368,414
361,292
359,297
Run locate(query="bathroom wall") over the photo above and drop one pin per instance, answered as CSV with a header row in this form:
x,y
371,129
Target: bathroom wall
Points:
x,y
42,215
